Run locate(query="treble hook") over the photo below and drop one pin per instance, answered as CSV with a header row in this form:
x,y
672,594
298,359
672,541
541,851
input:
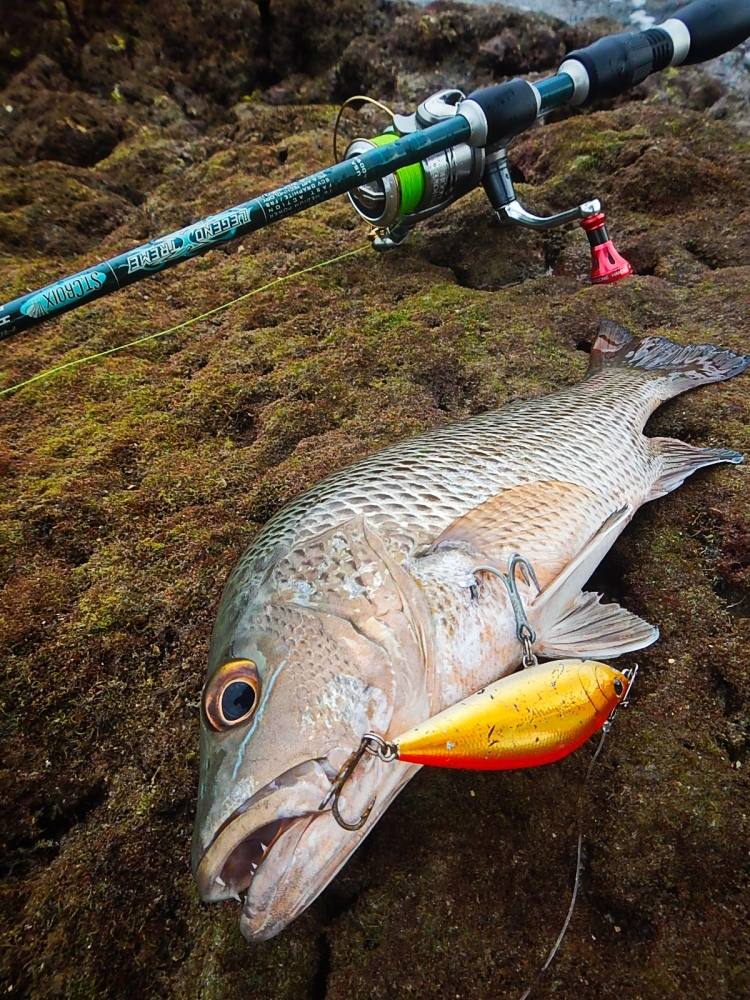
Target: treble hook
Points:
x,y
377,747
525,631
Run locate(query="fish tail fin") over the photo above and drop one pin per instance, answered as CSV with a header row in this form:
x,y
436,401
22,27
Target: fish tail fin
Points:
x,y
676,367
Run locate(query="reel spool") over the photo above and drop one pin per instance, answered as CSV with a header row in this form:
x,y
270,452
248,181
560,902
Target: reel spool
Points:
x,y
395,204
383,202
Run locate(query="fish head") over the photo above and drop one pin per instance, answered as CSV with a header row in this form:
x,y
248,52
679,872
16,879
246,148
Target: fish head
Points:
x,y
325,649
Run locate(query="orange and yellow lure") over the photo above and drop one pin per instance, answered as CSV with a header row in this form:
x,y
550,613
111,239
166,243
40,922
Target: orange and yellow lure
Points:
x,y
532,717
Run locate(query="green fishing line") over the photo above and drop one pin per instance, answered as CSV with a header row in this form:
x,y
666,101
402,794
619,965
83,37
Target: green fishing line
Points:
x,y
410,179
180,326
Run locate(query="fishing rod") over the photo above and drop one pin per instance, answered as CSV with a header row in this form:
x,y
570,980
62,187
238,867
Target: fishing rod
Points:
x,y
427,160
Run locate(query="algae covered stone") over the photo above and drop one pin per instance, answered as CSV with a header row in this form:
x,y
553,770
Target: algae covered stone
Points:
x,y
129,487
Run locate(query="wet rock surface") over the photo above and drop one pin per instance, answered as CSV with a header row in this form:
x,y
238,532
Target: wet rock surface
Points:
x,y
129,487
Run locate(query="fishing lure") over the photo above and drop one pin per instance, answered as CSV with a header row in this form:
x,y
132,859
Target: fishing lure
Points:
x,y
532,717
535,716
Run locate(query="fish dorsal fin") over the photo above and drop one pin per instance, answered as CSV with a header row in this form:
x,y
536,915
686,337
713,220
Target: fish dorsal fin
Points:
x,y
532,519
675,367
571,622
611,338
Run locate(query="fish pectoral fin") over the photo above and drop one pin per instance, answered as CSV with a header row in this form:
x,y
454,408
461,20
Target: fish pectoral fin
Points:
x,y
680,460
569,621
529,518
559,595
595,630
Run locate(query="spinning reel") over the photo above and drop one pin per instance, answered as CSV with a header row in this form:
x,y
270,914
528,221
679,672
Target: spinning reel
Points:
x,y
393,205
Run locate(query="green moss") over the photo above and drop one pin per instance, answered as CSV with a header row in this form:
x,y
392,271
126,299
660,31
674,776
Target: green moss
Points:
x,y
145,803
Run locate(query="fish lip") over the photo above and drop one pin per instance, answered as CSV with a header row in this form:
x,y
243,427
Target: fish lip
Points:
x,y
239,868
243,825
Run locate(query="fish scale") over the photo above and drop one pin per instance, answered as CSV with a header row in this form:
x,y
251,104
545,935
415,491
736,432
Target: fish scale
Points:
x,y
414,489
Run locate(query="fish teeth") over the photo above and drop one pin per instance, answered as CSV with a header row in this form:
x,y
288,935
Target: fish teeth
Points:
x,y
220,881
253,865
264,847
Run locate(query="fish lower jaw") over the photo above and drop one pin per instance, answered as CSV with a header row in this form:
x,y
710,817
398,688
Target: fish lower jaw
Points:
x,y
237,872
241,846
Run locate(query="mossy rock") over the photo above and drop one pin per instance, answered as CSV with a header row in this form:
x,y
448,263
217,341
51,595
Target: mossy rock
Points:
x,y
129,486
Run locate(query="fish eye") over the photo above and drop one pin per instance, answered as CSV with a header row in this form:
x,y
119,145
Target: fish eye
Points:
x,y
231,695
617,685
237,700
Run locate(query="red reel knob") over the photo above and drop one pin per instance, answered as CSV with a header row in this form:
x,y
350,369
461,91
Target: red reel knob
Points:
x,y
607,265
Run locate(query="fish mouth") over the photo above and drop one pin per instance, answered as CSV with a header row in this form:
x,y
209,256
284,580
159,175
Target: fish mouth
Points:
x,y
240,867
242,845
278,851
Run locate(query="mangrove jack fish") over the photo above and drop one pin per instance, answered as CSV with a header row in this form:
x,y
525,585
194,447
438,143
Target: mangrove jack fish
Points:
x,y
357,609
535,716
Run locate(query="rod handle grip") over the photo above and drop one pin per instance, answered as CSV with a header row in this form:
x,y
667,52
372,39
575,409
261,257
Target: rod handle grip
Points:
x,y
715,26
613,64
510,108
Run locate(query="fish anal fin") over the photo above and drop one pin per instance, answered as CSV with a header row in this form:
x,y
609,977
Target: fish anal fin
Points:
x,y
595,630
679,460
533,519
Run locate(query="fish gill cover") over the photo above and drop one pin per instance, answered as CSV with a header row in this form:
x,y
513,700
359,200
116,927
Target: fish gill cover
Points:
x,y
128,489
